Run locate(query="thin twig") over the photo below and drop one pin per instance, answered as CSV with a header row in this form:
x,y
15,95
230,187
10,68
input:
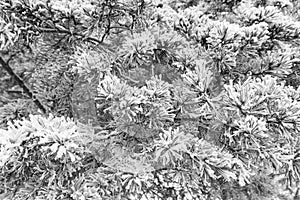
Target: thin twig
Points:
x,y
65,31
21,83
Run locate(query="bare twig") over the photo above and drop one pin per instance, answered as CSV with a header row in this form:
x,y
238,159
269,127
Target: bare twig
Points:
x,y
21,83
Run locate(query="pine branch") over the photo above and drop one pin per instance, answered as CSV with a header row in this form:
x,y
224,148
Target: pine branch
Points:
x,y
68,32
21,83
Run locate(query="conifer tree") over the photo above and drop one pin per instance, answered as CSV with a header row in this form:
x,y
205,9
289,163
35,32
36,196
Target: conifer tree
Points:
x,y
146,99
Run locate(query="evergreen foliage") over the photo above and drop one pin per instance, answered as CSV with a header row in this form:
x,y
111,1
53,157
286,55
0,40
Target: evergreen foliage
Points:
x,y
146,99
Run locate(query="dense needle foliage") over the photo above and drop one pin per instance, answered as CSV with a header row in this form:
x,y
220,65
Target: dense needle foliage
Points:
x,y
146,99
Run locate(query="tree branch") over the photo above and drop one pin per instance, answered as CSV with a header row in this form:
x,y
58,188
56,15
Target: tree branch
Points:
x,y
21,83
65,31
